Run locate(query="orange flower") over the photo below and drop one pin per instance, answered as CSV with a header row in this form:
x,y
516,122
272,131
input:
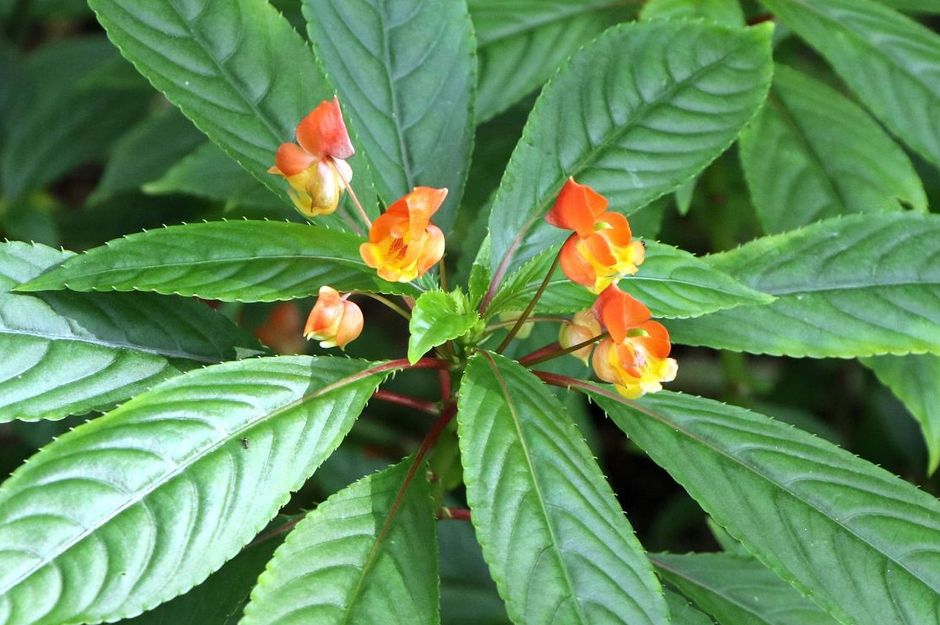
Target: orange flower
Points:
x,y
601,250
403,243
334,320
315,166
582,327
636,356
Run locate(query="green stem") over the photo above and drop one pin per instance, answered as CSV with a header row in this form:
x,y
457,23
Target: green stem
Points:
x,y
528,309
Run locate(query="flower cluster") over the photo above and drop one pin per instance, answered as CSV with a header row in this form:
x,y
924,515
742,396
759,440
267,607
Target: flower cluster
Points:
x,y
633,352
403,244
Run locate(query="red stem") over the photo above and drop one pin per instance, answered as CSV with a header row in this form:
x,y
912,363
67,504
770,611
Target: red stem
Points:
x,y
546,350
407,401
444,377
453,514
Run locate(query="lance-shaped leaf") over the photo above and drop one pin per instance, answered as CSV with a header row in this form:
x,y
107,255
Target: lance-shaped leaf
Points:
x,y
363,556
861,542
671,282
727,12
69,353
556,541
437,318
915,380
888,59
813,154
406,73
138,506
849,286
738,590
248,261
635,115
236,68
521,43
915,6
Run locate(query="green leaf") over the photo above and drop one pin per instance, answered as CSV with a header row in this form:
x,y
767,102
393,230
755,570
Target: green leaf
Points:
x,y
220,599
363,556
738,590
65,118
888,59
916,6
521,43
862,543
813,154
727,12
617,119
138,506
684,195
405,72
555,539
849,286
70,353
236,68
438,317
915,380
682,612
671,282
468,593
145,152
249,261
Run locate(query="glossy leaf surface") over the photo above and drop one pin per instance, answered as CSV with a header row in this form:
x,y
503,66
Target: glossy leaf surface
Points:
x,y
438,317
665,98
405,72
343,564
886,58
727,12
552,532
849,286
245,261
138,506
813,154
70,353
861,542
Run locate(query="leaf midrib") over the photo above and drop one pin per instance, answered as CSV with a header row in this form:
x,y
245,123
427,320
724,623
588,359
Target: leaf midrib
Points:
x,y
581,164
671,424
187,464
209,261
556,550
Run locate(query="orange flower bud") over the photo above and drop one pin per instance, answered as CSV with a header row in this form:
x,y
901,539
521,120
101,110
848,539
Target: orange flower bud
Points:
x,y
315,167
584,326
334,320
602,249
403,243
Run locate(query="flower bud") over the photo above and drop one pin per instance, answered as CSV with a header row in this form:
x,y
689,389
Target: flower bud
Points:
x,y
334,320
584,326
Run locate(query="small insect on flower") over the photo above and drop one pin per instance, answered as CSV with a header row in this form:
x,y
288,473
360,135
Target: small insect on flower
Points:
x,y
334,320
315,166
636,356
403,243
601,250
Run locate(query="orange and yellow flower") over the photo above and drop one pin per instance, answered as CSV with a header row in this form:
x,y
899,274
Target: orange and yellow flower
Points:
x,y
334,320
403,243
315,167
601,250
636,356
